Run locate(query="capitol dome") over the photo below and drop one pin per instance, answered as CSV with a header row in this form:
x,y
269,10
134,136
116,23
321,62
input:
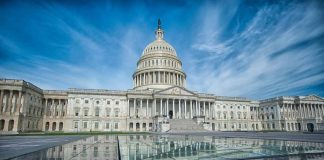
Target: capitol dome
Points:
x,y
159,66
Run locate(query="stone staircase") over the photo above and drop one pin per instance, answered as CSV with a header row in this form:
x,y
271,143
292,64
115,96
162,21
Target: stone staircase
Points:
x,y
184,125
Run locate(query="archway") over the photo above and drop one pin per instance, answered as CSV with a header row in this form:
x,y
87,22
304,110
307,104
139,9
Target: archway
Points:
x,y
54,126
47,126
61,126
137,127
11,125
144,126
171,114
299,126
2,123
131,126
310,127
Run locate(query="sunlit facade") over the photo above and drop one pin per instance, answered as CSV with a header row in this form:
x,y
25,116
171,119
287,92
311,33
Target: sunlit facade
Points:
x,y
158,102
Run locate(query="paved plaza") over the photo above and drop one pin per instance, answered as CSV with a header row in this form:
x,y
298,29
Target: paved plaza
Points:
x,y
13,146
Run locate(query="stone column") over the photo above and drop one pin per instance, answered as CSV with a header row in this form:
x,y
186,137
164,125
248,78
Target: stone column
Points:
x,y
134,111
167,106
209,111
180,109
164,77
147,102
160,113
173,112
1,100
141,108
128,108
197,108
8,109
59,105
191,109
185,109
18,104
46,110
204,108
159,77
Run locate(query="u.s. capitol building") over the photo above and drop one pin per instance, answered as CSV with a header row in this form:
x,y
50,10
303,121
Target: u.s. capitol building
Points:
x,y
158,102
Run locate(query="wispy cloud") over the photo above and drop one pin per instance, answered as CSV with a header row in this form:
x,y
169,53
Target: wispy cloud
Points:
x,y
280,51
234,48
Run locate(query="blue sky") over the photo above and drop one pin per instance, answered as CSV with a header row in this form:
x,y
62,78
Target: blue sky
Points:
x,y
254,49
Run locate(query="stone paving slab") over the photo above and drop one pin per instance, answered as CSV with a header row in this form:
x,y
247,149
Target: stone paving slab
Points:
x,y
13,146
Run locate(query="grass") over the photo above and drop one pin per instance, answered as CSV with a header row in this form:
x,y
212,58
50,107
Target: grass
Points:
x,y
58,133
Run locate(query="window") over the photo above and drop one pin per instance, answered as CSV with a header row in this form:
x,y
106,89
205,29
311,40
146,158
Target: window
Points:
x,y
96,125
85,124
76,124
77,101
97,112
86,101
272,116
116,112
97,102
108,102
76,113
116,125
107,125
273,126
108,112
86,112
117,102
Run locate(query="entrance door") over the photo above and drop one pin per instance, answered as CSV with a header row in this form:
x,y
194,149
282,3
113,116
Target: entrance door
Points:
x,y
310,127
170,114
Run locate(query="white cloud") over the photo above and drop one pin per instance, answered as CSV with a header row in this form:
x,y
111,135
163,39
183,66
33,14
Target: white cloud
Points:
x,y
253,66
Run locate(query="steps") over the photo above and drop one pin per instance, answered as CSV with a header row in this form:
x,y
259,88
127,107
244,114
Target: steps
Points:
x,y
184,125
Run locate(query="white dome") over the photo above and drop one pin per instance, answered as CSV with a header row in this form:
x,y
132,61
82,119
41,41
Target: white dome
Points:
x,y
159,67
159,46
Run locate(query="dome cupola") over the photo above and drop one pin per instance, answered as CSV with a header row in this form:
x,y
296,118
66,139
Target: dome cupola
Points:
x,y
159,66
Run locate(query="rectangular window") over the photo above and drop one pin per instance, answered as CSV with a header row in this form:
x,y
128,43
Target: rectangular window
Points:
x,y
86,112
85,124
116,125
117,102
96,125
107,125
97,112
76,113
76,124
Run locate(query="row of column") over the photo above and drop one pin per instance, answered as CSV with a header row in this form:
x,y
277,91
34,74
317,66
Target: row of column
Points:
x,y
303,110
55,107
159,77
11,101
172,108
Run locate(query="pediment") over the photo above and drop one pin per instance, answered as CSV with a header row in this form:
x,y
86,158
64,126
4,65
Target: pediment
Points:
x,y
312,98
176,91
